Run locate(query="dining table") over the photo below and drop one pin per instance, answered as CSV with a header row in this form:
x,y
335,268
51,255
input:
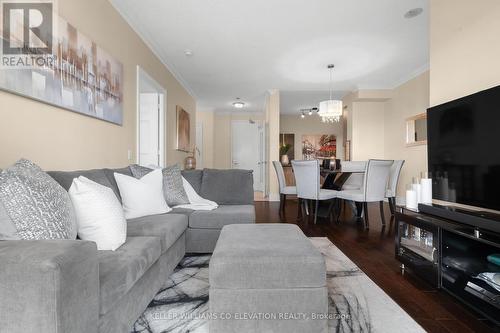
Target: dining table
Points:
x,y
334,179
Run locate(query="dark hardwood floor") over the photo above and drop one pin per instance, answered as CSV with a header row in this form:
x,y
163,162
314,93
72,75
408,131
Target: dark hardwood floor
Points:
x,y
373,252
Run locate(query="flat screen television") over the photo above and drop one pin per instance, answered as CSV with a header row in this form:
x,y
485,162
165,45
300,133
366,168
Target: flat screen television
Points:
x,y
464,149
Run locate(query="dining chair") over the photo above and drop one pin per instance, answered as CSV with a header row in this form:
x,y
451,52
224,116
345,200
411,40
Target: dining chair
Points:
x,y
392,184
355,180
374,188
307,179
284,190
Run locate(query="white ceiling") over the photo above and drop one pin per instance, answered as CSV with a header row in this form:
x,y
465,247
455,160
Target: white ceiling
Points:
x,y
243,48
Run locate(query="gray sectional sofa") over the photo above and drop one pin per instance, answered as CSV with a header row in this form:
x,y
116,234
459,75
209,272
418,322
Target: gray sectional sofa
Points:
x,y
70,286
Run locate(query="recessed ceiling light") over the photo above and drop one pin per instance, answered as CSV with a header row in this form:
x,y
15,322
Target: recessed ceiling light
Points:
x,y
302,115
238,104
188,52
413,13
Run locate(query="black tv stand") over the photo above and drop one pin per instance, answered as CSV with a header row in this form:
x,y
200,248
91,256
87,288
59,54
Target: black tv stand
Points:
x,y
451,251
479,219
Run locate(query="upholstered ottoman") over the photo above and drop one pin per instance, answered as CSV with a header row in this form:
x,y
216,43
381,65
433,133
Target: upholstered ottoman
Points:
x,y
267,278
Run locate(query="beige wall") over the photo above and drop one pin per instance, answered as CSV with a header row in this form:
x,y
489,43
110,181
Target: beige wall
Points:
x,y
206,119
464,48
409,99
368,130
310,125
376,125
60,139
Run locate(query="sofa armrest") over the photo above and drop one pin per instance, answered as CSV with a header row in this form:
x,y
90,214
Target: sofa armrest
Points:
x,y
49,286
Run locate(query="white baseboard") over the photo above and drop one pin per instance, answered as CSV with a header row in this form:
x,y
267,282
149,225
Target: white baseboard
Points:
x,y
274,197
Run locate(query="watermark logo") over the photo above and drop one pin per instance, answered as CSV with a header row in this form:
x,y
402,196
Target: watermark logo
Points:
x,y
27,34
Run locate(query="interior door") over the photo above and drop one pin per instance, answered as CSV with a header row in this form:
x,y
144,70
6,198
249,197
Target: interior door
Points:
x,y
247,145
149,130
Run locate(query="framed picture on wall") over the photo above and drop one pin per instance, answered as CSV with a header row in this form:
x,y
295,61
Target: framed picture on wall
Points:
x,y
73,72
183,129
319,146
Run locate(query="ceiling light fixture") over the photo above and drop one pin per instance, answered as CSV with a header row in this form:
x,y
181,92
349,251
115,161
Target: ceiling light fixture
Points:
x,y
413,13
238,104
309,112
188,52
331,110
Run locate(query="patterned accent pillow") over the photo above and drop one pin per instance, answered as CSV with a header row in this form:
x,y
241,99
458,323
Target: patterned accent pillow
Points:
x,y
173,189
37,206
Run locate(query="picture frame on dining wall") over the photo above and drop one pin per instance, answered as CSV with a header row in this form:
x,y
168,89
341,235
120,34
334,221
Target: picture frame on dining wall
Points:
x,y
183,126
319,146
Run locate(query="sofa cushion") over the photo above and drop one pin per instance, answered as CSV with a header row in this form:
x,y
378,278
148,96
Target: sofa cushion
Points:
x,y
182,211
120,269
221,216
194,178
228,187
110,174
65,178
101,176
35,204
168,227
173,188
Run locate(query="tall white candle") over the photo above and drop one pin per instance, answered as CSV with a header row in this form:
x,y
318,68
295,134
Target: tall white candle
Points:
x,y
418,190
426,190
411,199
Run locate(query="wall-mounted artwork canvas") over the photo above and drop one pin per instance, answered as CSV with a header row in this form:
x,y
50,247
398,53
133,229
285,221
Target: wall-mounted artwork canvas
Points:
x,y
183,130
74,73
319,146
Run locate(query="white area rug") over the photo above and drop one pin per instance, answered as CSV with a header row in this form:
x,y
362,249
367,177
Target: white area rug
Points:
x,y
357,303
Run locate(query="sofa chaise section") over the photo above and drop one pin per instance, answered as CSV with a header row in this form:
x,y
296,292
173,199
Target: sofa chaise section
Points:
x,y
232,190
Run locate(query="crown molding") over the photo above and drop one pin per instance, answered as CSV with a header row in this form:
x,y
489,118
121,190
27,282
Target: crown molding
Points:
x,y
420,70
153,47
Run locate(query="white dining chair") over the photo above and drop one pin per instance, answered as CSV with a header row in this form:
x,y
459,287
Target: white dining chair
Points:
x,y
355,180
307,179
392,184
284,189
373,190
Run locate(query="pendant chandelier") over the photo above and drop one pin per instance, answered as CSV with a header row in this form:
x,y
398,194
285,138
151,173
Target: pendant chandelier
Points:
x,y
330,111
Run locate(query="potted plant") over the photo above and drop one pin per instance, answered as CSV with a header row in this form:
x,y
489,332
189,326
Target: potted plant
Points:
x,y
284,149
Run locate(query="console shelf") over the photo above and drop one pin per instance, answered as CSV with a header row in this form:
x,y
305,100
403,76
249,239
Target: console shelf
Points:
x,y
452,256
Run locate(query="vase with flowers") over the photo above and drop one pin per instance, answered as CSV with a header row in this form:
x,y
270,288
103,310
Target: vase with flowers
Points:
x,y
190,160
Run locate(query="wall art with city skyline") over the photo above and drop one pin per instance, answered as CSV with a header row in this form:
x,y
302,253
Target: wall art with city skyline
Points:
x,y
77,75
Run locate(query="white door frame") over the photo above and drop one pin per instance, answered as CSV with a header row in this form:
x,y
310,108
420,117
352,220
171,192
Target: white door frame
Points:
x,y
141,73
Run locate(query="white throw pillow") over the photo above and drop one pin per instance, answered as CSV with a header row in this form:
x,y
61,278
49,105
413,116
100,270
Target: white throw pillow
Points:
x,y
142,197
99,214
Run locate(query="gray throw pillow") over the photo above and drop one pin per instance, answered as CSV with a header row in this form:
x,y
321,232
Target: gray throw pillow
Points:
x,y
173,189
34,205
